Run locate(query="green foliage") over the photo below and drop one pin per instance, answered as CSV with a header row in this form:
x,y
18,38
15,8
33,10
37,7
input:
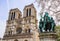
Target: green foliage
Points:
x,y
57,28
58,40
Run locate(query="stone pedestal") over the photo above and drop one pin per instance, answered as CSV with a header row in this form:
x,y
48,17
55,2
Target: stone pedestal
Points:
x,y
48,37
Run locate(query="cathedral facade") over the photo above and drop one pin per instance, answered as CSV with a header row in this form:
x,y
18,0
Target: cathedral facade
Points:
x,y
22,27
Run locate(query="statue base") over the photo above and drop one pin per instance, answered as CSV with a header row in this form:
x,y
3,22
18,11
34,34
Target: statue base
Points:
x,y
48,37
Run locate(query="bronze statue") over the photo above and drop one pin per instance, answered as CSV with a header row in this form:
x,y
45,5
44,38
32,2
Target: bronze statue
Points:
x,y
47,24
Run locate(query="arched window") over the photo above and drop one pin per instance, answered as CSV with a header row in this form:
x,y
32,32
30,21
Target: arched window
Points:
x,y
30,12
27,13
8,32
14,15
28,30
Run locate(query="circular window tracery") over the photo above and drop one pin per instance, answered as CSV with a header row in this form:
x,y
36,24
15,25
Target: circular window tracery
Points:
x,y
19,30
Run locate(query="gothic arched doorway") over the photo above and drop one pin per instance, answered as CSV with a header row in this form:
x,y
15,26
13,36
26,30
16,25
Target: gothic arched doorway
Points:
x,y
15,40
26,40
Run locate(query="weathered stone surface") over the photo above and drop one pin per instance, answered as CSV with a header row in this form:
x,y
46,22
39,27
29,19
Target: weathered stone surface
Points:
x,y
48,37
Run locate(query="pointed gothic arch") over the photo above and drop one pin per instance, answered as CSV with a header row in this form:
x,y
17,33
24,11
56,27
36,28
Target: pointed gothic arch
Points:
x,y
26,40
15,40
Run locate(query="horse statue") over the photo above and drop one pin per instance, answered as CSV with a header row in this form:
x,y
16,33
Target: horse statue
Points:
x,y
47,24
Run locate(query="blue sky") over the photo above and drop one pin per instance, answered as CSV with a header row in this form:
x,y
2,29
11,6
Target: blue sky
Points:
x,y
6,5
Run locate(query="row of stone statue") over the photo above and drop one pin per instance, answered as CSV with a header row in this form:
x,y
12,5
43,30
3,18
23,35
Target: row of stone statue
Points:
x,y
46,23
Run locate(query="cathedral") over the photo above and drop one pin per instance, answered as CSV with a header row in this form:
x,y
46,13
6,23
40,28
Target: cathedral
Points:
x,y
22,27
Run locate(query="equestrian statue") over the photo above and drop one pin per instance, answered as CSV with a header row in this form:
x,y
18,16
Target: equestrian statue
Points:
x,y
46,23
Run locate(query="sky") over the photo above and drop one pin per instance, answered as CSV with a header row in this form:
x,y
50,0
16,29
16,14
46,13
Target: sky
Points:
x,y
6,5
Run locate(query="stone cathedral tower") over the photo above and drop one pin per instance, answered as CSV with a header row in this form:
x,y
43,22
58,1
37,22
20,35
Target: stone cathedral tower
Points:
x,y
22,27
14,22
30,21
